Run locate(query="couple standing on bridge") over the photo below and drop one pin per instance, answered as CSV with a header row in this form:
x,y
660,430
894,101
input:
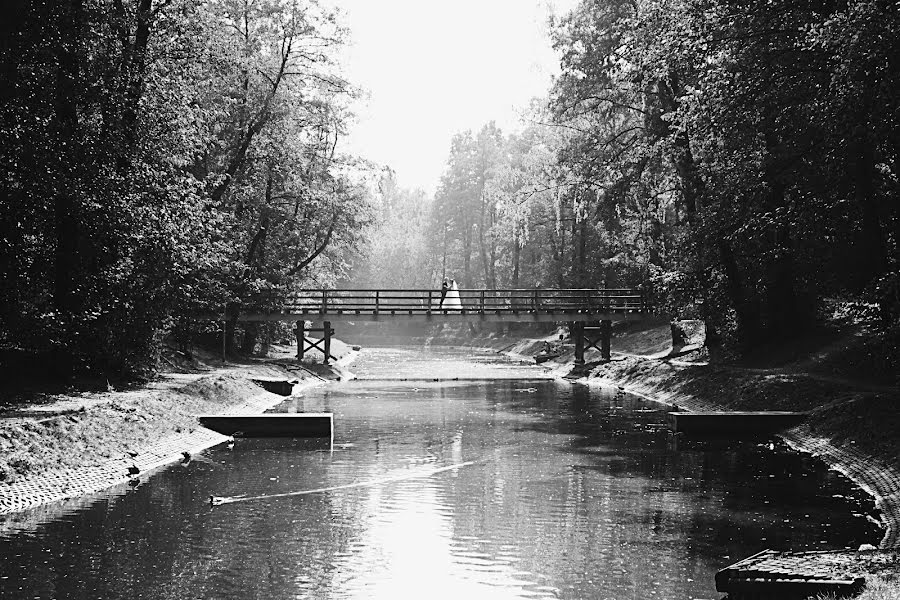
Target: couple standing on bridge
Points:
x,y
450,295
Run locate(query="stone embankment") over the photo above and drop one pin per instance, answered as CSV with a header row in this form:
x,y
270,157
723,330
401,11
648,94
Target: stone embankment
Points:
x,y
82,445
74,481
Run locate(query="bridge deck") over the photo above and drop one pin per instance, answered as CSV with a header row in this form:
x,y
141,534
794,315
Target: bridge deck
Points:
x,y
541,305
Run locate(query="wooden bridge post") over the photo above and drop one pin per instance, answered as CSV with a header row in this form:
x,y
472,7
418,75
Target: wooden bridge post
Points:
x,y
299,331
605,339
578,331
328,331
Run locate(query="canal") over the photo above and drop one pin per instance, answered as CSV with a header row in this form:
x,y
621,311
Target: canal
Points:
x,y
453,474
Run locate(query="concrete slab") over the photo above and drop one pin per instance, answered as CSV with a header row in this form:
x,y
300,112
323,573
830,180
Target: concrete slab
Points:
x,y
734,423
271,425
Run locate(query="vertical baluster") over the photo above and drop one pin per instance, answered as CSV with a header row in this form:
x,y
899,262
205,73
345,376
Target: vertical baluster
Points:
x,y
377,300
324,301
481,306
328,331
301,336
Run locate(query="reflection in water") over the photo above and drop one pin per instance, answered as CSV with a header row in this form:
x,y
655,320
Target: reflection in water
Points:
x,y
567,493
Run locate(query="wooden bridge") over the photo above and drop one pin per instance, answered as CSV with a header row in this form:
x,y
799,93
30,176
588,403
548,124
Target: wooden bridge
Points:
x,y
535,305
590,312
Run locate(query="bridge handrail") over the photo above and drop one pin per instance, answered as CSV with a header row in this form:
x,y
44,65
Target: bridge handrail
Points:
x,y
360,290
479,300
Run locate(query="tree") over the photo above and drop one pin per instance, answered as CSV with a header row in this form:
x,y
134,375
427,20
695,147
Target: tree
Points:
x,y
163,158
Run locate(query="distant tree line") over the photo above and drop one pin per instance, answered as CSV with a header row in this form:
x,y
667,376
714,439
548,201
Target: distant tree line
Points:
x,y
741,161
163,159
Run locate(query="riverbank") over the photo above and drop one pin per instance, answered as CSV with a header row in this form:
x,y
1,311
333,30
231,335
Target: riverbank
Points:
x,y
852,420
851,430
70,446
848,385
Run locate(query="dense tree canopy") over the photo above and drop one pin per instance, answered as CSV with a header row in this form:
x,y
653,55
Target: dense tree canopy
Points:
x,y
163,159
739,161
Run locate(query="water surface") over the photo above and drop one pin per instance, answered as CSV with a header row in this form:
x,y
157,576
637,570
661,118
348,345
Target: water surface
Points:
x,y
560,492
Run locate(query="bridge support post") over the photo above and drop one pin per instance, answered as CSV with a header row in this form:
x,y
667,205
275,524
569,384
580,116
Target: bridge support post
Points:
x,y
605,339
328,331
578,334
301,337
597,335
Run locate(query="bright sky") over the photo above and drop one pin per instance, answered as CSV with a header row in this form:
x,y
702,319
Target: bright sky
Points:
x,y
434,68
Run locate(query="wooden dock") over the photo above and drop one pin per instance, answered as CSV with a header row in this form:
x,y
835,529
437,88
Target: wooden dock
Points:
x,y
734,423
302,425
772,574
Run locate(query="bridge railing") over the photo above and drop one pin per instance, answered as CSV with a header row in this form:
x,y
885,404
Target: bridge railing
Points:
x,y
419,301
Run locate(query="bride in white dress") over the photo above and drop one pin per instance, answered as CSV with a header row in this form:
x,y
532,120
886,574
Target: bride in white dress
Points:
x,y
451,300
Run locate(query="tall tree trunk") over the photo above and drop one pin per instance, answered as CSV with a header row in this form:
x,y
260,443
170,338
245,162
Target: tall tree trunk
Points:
x,y
136,66
556,249
517,253
481,244
231,313
251,335
782,307
64,201
467,255
895,212
582,254
444,253
748,326
691,182
871,241
492,252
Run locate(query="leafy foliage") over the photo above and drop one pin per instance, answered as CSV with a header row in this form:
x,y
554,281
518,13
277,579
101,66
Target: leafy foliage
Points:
x,y
163,159
739,161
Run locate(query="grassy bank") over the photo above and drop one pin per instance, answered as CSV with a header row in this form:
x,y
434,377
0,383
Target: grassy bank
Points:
x,y
67,431
112,424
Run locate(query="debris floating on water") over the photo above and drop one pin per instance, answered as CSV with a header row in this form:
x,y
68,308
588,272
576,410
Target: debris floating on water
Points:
x,y
409,474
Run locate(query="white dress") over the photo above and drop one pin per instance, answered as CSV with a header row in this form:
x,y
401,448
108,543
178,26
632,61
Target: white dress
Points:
x,y
451,300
